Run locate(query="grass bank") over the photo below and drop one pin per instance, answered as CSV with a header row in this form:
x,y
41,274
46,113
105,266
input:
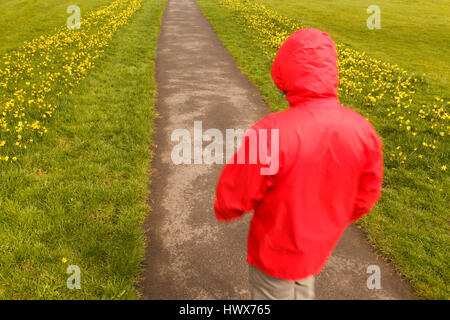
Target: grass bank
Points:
x,y
22,20
78,196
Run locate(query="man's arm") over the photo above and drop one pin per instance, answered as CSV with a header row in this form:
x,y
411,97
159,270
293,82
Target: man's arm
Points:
x,y
370,183
241,186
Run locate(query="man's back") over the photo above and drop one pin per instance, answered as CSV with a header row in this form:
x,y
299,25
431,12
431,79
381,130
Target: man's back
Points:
x,y
324,148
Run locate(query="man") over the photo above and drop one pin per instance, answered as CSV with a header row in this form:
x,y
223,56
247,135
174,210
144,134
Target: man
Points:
x,y
330,170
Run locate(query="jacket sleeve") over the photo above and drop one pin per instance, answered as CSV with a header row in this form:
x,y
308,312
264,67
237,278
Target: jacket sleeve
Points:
x,y
370,183
241,186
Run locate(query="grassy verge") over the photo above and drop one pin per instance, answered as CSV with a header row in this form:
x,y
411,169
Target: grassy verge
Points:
x,y
409,226
413,34
22,20
78,197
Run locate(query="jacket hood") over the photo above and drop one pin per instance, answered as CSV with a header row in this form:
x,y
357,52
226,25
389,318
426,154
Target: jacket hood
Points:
x,y
306,66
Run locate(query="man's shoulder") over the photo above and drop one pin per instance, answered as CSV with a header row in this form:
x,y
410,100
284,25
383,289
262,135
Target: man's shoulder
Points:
x,y
355,117
269,121
364,126
353,114
273,120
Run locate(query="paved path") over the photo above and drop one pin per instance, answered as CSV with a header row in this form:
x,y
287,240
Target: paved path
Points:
x,y
190,255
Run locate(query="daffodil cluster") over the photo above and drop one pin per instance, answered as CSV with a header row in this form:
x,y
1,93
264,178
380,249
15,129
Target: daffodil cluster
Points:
x,y
372,83
32,76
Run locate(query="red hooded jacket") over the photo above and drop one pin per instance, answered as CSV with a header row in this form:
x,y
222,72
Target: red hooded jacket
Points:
x,y
330,166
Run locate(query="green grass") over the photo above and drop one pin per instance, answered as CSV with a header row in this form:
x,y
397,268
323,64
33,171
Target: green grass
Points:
x,y
414,34
23,20
409,226
80,193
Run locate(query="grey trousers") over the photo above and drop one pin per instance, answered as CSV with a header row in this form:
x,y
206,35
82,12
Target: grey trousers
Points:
x,y
265,287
